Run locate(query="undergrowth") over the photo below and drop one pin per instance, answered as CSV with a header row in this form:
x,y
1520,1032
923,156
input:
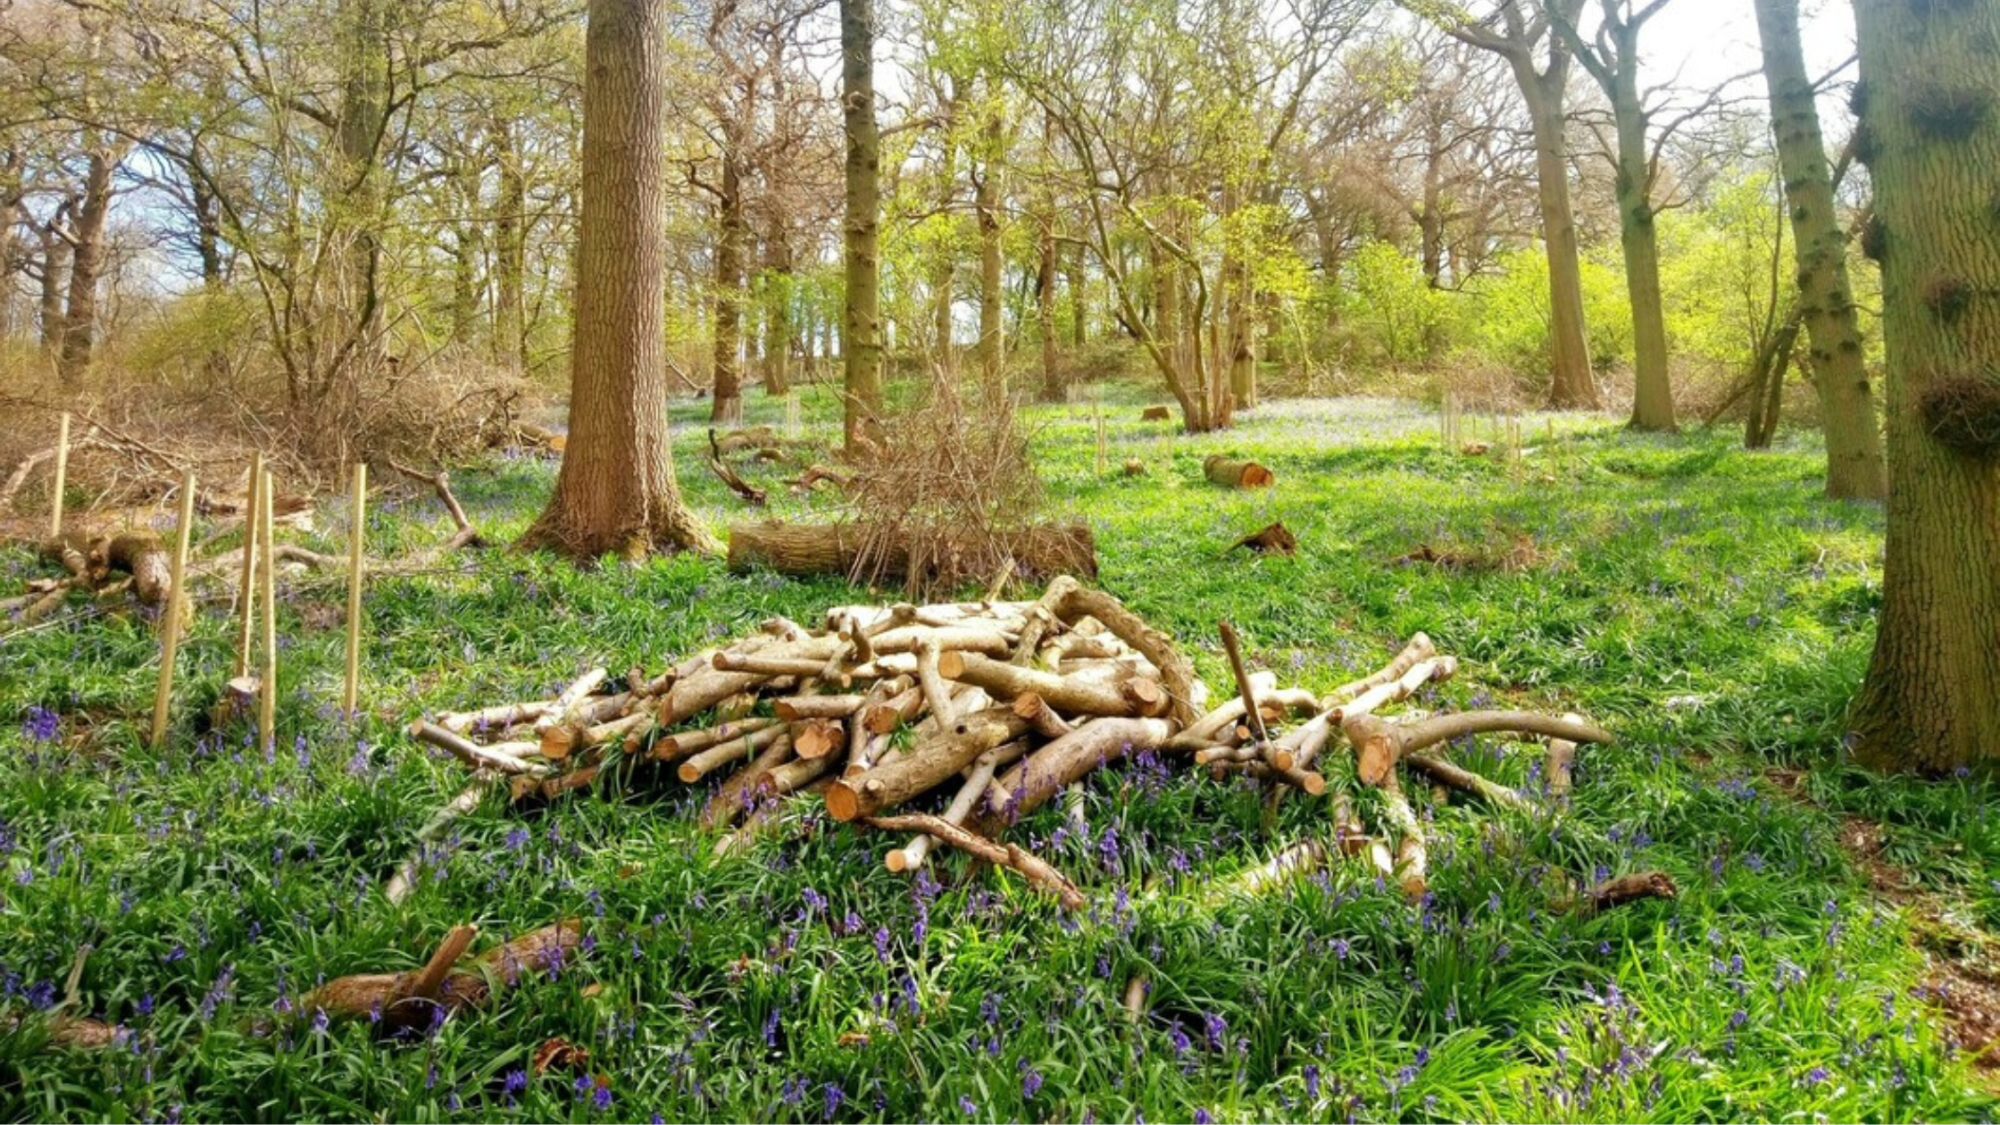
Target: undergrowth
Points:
x,y
1705,603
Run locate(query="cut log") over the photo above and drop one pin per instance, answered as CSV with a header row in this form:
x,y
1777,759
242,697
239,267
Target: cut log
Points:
x,y
1562,761
794,708
1030,866
931,761
1465,781
1382,744
1419,648
1620,890
496,758
1176,670
1042,774
704,762
1236,474
1134,467
1069,695
1156,414
818,738
493,718
738,794
1412,862
910,856
813,549
676,746
1433,670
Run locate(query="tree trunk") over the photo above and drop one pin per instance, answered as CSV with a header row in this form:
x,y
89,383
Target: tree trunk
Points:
x,y
1931,128
616,490
88,253
727,405
55,273
1079,304
510,254
992,374
1854,469
1053,389
778,327
1653,392
861,341
1571,385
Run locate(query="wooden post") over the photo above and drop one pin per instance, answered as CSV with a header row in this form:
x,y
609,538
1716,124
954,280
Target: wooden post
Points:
x,y
358,537
246,607
267,696
62,478
170,637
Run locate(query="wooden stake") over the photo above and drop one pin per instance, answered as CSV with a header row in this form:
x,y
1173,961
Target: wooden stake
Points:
x,y
357,537
246,608
62,478
267,700
170,637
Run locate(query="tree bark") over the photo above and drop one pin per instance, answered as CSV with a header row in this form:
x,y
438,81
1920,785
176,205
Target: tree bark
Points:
x,y
986,202
1854,468
861,341
726,406
778,326
616,490
55,272
510,255
1930,126
1653,392
86,267
1571,385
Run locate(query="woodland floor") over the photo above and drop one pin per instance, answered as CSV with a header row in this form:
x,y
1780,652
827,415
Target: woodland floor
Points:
x,y
1832,941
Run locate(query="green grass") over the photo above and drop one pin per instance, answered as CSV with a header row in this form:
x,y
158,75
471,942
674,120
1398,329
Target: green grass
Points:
x,y
216,884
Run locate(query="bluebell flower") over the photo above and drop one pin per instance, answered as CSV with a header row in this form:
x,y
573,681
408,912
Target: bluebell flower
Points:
x,y
1031,1083
834,1096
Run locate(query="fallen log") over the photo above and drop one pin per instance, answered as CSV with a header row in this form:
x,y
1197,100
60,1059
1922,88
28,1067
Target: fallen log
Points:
x,y
728,476
1236,474
1156,414
1276,539
910,856
1419,648
813,549
1176,670
1562,761
403,1001
141,555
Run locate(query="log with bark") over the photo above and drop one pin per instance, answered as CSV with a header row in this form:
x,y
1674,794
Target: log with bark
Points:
x,y
1236,474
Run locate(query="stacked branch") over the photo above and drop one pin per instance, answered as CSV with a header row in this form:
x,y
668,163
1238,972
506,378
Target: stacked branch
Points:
x,y
945,724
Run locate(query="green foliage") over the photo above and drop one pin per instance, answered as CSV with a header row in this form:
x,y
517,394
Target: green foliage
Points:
x,y
217,884
1392,310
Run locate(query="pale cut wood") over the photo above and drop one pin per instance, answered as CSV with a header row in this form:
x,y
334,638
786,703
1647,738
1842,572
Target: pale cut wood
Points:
x,y
177,606
404,881
1412,859
899,778
1068,695
1431,670
1293,863
738,793
700,764
1041,775
911,856
267,699
929,677
1465,781
62,477
252,533
1031,867
494,718
499,759
1562,760
1381,745
794,708
819,738
1419,648
1176,670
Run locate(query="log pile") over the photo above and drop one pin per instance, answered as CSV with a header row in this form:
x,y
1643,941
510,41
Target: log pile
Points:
x,y
983,712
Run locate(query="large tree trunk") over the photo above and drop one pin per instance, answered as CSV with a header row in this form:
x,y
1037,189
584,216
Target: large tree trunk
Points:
x,y
1854,467
727,406
1571,385
1079,304
1653,392
86,267
616,490
1930,126
861,341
